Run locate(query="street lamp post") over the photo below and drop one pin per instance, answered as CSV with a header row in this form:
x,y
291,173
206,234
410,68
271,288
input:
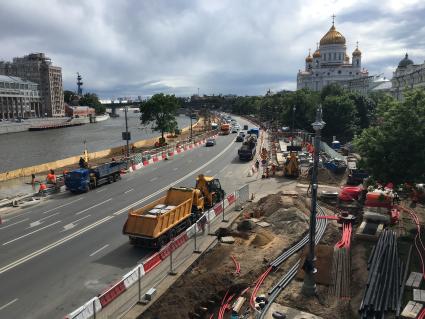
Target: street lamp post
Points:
x,y
294,108
191,111
126,131
309,285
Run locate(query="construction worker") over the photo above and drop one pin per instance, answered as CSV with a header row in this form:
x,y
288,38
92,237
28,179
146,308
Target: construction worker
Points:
x,y
273,169
42,189
257,164
51,177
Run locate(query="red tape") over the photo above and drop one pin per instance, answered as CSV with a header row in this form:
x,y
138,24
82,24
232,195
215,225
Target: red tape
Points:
x,y
108,296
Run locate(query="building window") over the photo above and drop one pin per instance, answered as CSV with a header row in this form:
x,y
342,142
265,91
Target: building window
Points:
x,y
334,55
351,73
329,73
339,71
357,62
324,57
317,74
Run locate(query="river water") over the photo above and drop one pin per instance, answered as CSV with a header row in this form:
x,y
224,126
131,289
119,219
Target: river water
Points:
x,y
24,149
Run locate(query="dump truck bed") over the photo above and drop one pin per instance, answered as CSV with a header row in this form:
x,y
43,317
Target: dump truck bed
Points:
x,y
156,218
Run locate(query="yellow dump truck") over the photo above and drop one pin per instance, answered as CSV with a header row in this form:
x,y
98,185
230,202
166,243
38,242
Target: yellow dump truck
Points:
x,y
154,225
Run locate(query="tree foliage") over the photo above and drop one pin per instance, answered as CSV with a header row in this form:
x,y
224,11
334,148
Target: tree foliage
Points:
x,y
160,110
393,149
92,100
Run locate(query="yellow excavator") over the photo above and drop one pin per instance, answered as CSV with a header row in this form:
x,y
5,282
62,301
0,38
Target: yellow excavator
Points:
x,y
291,167
211,189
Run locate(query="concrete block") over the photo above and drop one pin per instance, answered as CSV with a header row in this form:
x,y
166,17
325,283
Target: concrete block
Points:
x,y
412,310
414,280
419,295
263,224
228,240
150,293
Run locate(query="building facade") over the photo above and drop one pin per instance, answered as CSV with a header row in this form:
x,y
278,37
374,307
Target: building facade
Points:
x,y
38,68
18,98
331,64
407,76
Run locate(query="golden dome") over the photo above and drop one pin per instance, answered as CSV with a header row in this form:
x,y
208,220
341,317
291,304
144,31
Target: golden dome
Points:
x,y
357,52
309,58
347,58
316,54
332,37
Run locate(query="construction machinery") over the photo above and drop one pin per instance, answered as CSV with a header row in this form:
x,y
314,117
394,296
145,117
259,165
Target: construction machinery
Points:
x,y
291,166
248,149
157,223
210,188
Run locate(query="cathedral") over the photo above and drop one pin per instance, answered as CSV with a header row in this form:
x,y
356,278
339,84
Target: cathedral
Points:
x,y
331,64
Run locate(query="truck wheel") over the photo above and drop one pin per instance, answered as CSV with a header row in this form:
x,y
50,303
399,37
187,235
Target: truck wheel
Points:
x,y
109,180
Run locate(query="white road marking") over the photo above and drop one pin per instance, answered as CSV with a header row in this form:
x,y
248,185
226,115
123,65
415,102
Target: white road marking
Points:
x,y
30,233
128,191
53,245
153,179
101,190
19,215
95,252
207,172
38,222
175,168
71,202
73,224
84,210
99,222
8,225
8,304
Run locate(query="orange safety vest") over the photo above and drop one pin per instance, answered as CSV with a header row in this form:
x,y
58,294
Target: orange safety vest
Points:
x,y
42,187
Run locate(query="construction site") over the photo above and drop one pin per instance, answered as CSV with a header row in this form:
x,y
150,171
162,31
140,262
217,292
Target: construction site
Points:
x,y
368,257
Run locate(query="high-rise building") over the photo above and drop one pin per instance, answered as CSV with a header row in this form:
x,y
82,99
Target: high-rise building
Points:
x,y
38,68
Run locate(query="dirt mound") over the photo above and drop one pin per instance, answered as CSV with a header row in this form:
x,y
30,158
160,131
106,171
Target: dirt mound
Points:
x,y
245,225
261,239
288,221
269,204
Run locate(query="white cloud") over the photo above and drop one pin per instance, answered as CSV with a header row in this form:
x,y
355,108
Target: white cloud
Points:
x,y
222,46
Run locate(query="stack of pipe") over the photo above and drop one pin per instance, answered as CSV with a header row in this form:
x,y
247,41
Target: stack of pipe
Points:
x,y
384,279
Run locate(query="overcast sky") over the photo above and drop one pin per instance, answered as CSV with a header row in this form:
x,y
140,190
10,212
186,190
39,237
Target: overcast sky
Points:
x,y
141,47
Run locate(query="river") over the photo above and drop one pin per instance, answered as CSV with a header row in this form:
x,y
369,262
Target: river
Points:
x,y
24,149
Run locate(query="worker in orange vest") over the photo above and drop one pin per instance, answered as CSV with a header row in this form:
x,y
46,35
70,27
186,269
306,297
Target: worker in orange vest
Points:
x,y
42,189
51,177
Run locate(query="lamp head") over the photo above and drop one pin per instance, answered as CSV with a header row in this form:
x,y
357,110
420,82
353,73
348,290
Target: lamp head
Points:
x,y
319,124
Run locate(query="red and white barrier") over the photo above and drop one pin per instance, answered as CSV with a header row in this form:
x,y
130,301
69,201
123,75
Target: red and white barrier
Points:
x,y
151,263
87,310
133,276
109,295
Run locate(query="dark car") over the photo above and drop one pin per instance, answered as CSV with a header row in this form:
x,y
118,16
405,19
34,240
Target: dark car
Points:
x,y
239,138
210,142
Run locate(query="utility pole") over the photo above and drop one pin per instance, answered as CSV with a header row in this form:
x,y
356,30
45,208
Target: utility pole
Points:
x,y
309,285
127,135
294,108
191,121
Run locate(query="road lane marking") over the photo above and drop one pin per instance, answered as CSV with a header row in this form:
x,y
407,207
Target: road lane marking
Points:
x,y
207,172
30,233
125,209
8,304
8,225
84,210
73,224
128,191
18,215
95,252
53,245
175,168
71,202
101,190
39,222
99,222
153,179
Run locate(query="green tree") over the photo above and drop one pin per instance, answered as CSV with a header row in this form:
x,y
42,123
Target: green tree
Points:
x,y
161,110
393,150
68,96
340,115
92,100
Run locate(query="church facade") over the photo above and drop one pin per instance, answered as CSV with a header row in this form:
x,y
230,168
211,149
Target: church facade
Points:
x,y
407,76
330,63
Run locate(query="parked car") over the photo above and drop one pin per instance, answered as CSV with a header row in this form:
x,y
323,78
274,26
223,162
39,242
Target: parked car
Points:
x,y
239,138
210,142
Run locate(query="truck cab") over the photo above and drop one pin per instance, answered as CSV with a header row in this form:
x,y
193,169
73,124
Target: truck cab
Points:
x,y
211,189
78,180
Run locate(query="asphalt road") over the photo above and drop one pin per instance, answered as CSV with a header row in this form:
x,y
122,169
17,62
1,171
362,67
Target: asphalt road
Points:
x,y
60,253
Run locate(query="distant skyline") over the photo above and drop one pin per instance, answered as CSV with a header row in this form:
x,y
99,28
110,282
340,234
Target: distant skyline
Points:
x,y
132,48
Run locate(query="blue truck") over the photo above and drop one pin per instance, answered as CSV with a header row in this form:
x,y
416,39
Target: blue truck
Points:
x,y
83,179
254,131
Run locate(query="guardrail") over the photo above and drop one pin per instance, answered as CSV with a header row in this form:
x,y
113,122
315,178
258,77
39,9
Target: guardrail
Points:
x,y
117,300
